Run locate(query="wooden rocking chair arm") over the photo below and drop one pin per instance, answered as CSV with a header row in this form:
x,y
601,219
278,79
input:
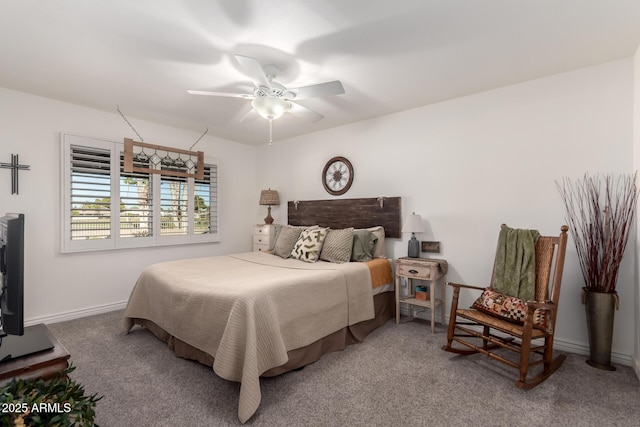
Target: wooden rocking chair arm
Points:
x,y
459,285
543,305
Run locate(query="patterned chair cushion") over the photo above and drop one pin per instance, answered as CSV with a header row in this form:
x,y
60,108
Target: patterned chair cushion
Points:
x,y
337,246
309,244
511,308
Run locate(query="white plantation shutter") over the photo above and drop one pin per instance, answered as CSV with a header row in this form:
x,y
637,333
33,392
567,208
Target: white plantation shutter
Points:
x,y
206,202
104,207
136,202
90,188
174,200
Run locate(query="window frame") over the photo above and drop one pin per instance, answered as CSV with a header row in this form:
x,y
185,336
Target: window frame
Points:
x,y
115,241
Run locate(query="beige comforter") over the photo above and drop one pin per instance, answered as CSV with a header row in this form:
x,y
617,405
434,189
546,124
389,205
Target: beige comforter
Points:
x,y
247,310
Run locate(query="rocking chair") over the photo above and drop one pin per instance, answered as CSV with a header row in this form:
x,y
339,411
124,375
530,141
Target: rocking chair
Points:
x,y
522,327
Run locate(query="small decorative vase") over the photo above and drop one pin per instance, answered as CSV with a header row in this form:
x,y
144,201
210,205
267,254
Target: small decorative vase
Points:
x,y
600,308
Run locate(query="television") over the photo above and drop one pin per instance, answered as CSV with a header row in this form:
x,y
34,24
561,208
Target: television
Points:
x,y
15,340
12,269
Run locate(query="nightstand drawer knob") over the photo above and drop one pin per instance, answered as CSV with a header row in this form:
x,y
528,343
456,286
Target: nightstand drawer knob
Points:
x,y
413,271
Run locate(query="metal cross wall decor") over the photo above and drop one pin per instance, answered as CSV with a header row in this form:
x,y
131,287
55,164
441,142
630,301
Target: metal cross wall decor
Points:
x,y
15,167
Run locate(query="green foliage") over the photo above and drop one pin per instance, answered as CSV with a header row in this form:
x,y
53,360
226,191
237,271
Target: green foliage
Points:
x,y
59,402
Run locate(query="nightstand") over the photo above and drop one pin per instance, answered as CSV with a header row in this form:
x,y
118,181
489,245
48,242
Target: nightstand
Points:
x,y
263,237
429,270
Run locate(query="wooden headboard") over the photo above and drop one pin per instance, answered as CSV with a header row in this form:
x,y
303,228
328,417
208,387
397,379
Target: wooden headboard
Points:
x,y
343,213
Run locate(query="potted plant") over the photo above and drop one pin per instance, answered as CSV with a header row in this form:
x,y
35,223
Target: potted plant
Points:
x,y
59,401
600,210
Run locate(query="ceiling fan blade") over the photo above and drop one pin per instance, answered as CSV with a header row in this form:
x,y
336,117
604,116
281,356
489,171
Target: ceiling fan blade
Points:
x,y
248,116
227,94
254,70
313,91
305,113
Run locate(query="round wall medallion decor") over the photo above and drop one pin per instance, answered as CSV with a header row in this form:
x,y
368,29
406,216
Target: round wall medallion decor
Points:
x,y
337,176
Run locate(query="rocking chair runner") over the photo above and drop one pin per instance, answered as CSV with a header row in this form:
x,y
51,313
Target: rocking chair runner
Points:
x,y
533,341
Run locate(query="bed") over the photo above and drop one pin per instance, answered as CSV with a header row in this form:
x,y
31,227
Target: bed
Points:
x,y
259,314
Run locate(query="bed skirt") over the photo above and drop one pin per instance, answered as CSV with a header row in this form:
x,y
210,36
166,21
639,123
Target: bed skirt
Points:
x,y
384,306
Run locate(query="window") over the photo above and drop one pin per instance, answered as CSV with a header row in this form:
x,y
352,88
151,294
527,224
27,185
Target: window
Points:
x,y
205,201
104,207
90,193
174,206
136,202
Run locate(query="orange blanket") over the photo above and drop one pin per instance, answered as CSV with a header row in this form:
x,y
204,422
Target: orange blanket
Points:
x,y
380,269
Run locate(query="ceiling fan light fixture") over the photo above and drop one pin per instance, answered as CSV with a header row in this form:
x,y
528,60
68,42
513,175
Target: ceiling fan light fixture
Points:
x,y
269,107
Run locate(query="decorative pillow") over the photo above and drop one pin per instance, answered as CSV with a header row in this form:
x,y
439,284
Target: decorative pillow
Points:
x,y
337,246
379,250
309,244
287,238
511,308
363,242
277,228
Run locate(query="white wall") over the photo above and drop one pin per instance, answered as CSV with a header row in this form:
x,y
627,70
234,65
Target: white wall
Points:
x,y
636,165
470,164
465,165
59,285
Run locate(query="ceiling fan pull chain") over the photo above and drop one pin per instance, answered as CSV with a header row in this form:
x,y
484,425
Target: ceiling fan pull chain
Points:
x,y
270,132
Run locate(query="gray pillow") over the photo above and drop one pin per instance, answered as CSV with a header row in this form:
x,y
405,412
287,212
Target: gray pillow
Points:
x,y
337,246
286,240
363,242
379,250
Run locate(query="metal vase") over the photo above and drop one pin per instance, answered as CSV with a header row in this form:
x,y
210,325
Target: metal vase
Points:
x,y
600,308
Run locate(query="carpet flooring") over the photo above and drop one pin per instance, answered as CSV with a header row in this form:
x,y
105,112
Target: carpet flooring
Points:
x,y
397,376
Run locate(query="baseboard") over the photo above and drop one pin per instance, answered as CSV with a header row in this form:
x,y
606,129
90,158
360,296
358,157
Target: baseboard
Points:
x,y
572,347
76,314
559,344
636,365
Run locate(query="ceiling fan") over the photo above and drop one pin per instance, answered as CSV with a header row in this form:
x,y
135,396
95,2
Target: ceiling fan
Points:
x,y
270,99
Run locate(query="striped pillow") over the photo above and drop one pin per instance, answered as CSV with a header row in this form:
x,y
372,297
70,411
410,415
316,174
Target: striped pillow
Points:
x,y
337,246
287,238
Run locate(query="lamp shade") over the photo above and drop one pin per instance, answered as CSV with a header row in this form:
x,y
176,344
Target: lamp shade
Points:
x,y
270,107
413,224
269,197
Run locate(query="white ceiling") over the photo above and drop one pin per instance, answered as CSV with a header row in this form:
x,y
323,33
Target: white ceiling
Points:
x,y
143,55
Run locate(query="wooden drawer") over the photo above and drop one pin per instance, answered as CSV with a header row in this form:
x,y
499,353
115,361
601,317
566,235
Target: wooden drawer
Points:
x,y
262,229
259,239
417,271
258,247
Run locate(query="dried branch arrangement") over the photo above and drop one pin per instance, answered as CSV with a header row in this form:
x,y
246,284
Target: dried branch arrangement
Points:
x,y
600,211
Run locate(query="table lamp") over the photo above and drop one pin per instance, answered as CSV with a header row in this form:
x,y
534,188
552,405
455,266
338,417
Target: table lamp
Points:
x,y
269,197
413,224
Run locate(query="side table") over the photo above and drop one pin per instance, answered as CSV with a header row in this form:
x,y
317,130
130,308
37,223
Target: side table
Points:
x,y
429,270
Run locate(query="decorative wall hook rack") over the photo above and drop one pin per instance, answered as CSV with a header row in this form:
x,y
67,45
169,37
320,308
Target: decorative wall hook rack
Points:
x,y
150,158
15,166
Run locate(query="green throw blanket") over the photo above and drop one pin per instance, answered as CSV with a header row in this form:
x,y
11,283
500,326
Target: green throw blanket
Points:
x,y
514,272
